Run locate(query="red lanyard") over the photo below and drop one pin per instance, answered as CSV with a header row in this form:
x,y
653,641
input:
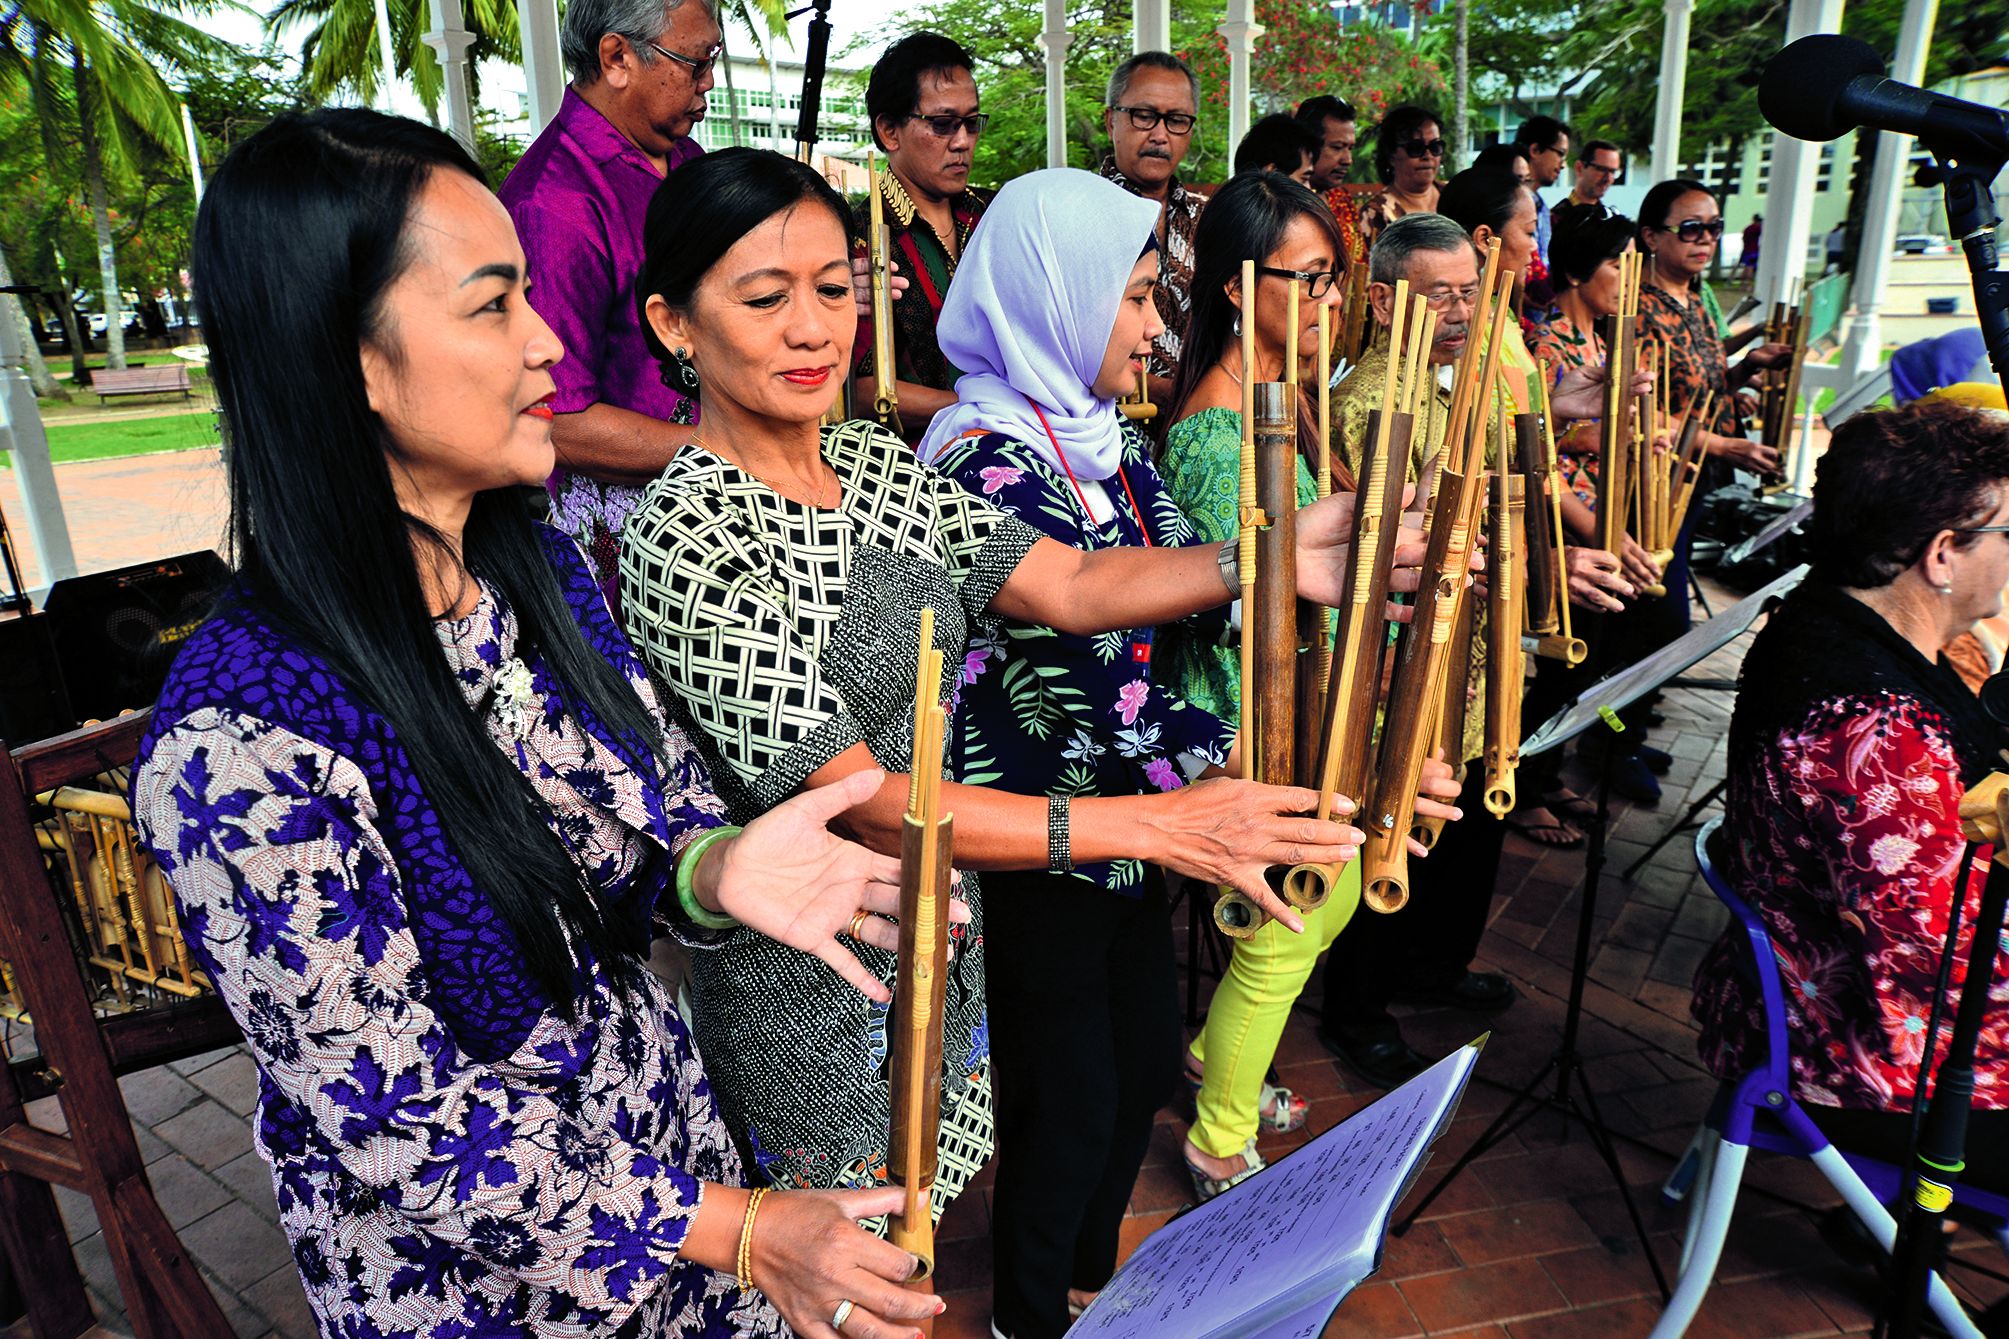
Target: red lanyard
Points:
x,y
1086,510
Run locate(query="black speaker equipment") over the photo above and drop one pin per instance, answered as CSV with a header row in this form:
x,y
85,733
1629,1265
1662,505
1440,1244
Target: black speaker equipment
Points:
x,y
116,632
33,704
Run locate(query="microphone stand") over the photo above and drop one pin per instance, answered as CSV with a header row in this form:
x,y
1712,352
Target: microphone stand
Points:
x,y
1966,169
1938,1159
813,63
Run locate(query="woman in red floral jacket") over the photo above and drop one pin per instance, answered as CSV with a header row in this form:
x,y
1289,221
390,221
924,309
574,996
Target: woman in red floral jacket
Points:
x,y
1852,743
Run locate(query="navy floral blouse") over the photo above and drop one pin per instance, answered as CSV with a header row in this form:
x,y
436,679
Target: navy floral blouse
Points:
x,y
1053,713
451,1155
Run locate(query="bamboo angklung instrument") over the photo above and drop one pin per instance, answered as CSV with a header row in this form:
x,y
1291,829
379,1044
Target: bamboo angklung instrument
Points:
x,y
879,247
1689,451
1649,470
1412,718
1505,667
1235,914
927,845
1615,428
1547,606
1353,679
1356,325
1137,406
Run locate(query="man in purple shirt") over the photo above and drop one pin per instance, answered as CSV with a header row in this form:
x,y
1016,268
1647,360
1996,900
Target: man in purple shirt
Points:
x,y
640,70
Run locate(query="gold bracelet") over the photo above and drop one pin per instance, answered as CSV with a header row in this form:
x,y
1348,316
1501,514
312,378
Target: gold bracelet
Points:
x,y
745,1261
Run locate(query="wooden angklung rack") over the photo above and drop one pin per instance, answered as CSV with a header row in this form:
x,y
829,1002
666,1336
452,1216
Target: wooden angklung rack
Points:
x,y
879,248
927,843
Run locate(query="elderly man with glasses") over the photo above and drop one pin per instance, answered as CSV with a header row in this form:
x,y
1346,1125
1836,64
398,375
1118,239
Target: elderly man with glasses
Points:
x,y
640,71
1152,106
923,103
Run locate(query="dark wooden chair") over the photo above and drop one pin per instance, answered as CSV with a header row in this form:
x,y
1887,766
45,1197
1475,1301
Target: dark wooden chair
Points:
x,y
87,1038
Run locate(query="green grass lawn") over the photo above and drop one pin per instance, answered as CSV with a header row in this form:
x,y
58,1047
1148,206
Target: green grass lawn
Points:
x,y
130,437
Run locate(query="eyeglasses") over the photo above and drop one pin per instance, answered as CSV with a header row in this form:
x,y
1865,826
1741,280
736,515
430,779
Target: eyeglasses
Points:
x,y
1981,529
1443,299
698,66
1147,118
1317,282
1423,148
946,126
1694,230
1609,171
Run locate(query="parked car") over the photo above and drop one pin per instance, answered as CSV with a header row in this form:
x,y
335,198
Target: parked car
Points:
x,y
1923,244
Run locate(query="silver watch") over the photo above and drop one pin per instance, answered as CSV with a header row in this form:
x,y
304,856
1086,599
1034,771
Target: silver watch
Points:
x,y
1229,560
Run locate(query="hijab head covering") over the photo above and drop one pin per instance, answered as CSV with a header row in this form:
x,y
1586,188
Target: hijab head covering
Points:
x,y
1030,312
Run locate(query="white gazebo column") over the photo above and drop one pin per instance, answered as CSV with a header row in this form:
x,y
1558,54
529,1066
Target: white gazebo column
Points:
x,y
1055,38
1152,29
1863,344
543,67
449,40
1789,198
22,437
1673,86
1241,31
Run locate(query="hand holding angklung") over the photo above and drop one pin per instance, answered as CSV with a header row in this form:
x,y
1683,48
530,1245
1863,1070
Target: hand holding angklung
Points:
x,y
810,1255
1231,833
1596,581
1436,795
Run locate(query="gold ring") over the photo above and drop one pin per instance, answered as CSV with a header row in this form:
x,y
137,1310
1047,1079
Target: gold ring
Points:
x,y
858,924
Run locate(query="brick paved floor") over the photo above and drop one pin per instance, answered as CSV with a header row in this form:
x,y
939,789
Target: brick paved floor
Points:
x,y
128,510
1531,1242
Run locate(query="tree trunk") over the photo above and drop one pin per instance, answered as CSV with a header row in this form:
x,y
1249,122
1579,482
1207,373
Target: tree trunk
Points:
x,y
1461,110
731,98
17,311
101,216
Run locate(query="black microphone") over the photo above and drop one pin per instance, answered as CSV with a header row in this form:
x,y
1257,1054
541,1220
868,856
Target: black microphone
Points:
x,y
1823,86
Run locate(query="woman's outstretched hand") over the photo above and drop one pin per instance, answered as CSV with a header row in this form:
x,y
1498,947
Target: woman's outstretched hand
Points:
x,y
794,880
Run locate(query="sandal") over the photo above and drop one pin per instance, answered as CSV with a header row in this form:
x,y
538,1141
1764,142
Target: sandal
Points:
x,y
1205,1187
1554,834
1568,804
1280,1111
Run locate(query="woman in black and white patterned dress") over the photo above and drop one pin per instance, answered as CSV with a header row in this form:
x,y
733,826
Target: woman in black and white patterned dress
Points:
x,y
773,579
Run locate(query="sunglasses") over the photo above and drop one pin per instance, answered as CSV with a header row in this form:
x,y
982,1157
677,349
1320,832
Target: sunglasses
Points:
x,y
1694,230
698,66
945,127
1147,118
1317,282
1423,148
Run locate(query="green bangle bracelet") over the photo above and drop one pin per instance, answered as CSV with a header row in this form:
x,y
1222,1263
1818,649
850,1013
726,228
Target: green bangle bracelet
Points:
x,y
687,876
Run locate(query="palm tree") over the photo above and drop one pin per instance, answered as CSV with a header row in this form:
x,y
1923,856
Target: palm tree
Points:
x,y
340,47
95,70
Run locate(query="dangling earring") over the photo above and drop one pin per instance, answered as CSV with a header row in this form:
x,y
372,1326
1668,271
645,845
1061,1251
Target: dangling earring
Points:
x,y
1237,331
1947,589
679,375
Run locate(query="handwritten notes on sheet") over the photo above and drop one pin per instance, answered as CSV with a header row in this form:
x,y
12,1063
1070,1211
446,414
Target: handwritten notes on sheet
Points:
x,y
1274,1256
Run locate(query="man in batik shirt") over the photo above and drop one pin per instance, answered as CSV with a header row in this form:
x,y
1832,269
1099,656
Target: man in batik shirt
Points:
x,y
1335,123
922,99
1153,104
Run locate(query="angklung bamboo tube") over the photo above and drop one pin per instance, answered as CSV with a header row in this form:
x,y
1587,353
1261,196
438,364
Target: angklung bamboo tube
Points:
x,y
1315,667
879,246
927,846
1352,687
1689,452
1235,914
1505,665
1614,488
1547,554
1426,647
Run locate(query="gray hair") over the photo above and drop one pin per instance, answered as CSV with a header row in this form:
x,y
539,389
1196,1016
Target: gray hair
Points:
x,y
640,22
1119,78
1402,239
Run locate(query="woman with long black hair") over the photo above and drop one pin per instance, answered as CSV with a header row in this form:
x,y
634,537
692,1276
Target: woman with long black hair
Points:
x,y
421,813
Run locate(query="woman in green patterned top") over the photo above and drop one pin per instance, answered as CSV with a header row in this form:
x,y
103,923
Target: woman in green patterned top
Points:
x,y
1287,231
773,579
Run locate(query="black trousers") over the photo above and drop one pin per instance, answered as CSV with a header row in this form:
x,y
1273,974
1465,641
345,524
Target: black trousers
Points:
x,y
1434,938
1085,1039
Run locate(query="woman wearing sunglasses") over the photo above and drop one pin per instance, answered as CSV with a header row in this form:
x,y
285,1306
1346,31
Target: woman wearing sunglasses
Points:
x,y
1408,153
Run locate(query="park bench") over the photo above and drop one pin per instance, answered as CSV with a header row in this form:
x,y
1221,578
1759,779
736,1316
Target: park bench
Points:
x,y
106,382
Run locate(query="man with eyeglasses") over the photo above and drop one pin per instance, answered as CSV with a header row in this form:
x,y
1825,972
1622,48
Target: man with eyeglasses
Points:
x,y
1546,143
923,103
1597,169
640,71
1151,108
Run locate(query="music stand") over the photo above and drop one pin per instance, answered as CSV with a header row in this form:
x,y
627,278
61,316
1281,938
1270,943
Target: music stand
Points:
x,y
1597,704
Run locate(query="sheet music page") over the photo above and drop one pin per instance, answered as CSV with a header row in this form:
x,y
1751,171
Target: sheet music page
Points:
x,y
1264,1257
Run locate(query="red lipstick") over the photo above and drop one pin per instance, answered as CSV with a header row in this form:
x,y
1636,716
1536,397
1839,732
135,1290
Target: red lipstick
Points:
x,y
807,376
